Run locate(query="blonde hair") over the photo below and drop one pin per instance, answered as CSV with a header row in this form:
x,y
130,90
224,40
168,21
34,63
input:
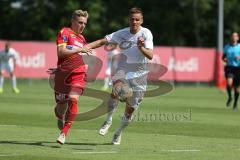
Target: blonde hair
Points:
x,y
79,13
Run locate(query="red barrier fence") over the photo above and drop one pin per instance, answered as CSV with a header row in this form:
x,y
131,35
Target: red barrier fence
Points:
x,y
183,63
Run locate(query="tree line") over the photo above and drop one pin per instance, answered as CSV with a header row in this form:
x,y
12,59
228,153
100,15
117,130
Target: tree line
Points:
x,y
190,23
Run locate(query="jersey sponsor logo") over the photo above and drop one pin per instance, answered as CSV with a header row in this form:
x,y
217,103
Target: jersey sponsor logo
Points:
x,y
126,44
78,44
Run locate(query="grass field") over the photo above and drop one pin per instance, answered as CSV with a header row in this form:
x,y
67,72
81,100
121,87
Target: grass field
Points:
x,y
189,123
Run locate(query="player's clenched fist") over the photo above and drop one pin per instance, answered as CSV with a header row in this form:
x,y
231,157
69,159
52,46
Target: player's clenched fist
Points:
x,y
141,42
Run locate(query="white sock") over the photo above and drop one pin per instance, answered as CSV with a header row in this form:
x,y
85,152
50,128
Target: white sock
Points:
x,y
14,82
112,104
106,81
1,81
123,124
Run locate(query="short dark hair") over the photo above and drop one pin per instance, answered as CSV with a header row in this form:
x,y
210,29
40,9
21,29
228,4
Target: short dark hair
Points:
x,y
135,10
7,44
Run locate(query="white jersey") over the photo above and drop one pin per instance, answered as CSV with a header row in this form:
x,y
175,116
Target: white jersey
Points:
x,y
7,59
128,44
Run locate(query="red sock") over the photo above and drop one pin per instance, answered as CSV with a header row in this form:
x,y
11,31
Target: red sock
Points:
x,y
66,127
72,111
70,115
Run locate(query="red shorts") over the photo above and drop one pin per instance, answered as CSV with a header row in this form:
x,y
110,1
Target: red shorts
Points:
x,y
68,82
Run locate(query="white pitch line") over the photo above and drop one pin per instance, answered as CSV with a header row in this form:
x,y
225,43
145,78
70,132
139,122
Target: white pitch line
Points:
x,y
103,152
9,155
181,150
8,125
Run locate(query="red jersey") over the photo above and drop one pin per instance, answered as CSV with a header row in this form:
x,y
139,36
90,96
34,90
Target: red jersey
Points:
x,y
69,39
71,71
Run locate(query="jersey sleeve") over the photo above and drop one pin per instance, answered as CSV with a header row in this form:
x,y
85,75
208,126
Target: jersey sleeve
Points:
x,y
113,37
62,38
148,39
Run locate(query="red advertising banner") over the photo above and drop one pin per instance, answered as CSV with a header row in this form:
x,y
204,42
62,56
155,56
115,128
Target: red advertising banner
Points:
x,y
34,58
186,64
183,64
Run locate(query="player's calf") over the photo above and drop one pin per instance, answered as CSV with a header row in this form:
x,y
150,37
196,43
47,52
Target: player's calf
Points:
x,y
60,111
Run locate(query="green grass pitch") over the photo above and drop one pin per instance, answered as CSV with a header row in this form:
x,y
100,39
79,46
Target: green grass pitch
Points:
x,y
189,123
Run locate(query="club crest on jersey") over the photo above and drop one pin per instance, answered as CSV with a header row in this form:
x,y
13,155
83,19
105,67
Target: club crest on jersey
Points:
x,y
65,38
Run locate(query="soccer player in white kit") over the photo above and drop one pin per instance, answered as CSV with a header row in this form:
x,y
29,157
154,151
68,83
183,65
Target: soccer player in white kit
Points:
x,y
8,58
136,43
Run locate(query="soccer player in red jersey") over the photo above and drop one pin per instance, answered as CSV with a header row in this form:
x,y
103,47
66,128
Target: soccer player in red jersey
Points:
x,y
70,74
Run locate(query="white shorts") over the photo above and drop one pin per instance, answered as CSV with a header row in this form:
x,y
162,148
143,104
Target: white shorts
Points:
x,y
6,67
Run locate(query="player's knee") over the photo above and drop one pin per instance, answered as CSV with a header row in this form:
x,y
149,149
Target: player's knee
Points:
x,y
133,103
121,90
72,103
230,82
230,85
135,100
73,97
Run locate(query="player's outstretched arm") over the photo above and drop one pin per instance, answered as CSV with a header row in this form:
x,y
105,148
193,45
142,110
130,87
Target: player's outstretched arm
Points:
x,y
62,51
97,43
